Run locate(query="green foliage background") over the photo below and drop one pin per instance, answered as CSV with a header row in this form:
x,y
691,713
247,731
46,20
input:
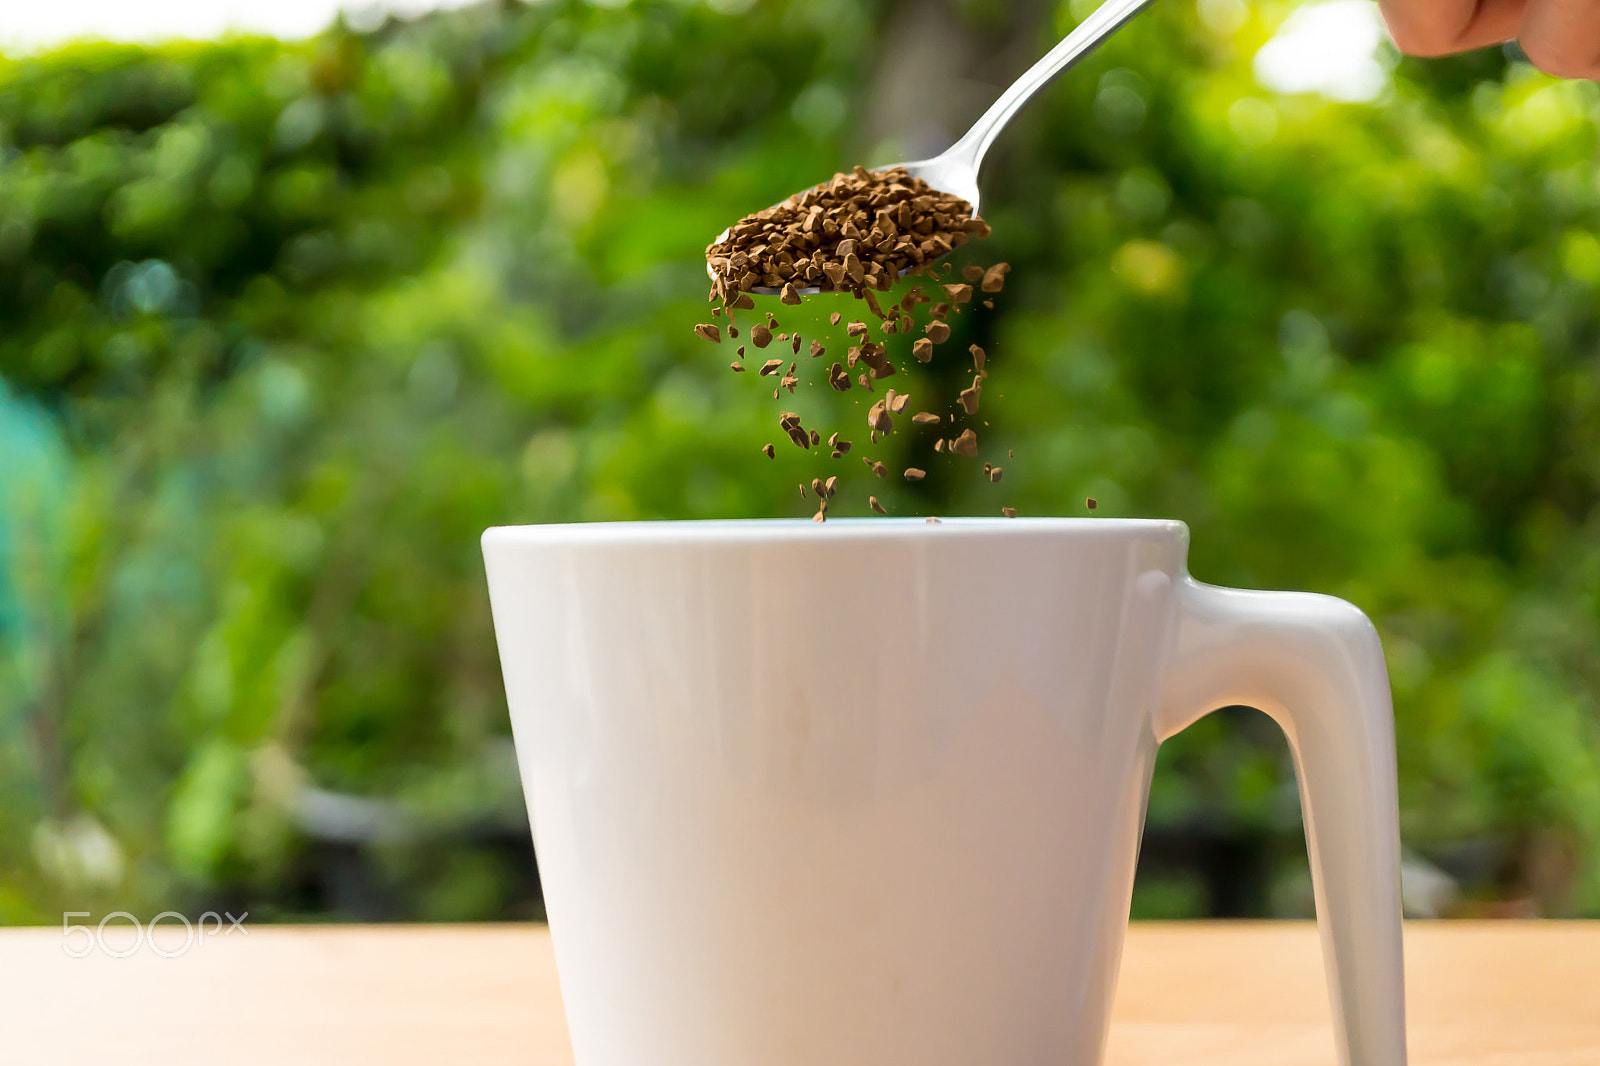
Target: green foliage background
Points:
x,y
284,326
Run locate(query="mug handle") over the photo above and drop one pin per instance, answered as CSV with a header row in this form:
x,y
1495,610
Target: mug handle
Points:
x,y
1315,666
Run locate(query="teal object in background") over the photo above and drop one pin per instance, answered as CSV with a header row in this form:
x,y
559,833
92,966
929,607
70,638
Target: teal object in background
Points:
x,y
35,494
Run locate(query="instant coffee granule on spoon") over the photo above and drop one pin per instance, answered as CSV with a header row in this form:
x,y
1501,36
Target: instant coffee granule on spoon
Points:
x,y
856,233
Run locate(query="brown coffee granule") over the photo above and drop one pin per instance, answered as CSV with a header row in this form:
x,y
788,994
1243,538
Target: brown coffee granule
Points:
x,y
925,418
966,444
760,335
733,331
913,474
932,521
802,490
979,357
969,397
833,439
938,332
772,322
839,378
872,303
878,418
816,438
972,272
789,382
1009,453
737,368
940,311
831,486
864,381
876,506
790,294
795,341
818,488
896,402
994,279
958,293
817,349
789,422
989,304
743,302
770,367
938,445
833,319
1009,512
1091,503
782,338
769,451
857,329
710,331
877,468
994,473
822,512
922,348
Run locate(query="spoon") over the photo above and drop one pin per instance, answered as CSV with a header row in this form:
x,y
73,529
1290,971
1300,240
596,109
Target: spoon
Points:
x,y
955,171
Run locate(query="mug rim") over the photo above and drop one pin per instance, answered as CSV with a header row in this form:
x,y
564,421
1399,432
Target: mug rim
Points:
x,y
804,530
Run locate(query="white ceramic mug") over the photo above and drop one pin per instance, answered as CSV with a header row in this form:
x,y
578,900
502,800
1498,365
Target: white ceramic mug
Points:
x,y
871,792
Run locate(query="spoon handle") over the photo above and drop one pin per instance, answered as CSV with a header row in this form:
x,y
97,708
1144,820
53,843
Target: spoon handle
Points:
x,y
1106,20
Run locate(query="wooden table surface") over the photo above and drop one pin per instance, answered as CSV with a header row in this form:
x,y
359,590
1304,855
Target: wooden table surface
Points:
x,y
1199,994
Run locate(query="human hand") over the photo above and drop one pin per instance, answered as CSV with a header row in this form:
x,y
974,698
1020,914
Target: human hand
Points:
x,y
1561,37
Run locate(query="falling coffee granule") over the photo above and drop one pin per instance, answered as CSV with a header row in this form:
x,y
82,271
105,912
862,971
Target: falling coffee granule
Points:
x,y
979,357
994,474
879,419
830,486
710,331
1009,512
822,512
958,293
1091,503
922,348
913,474
932,521
972,272
938,332
760,335
769,451
924,418
737,368
995,278
876,506
771,366
969,397
966,444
